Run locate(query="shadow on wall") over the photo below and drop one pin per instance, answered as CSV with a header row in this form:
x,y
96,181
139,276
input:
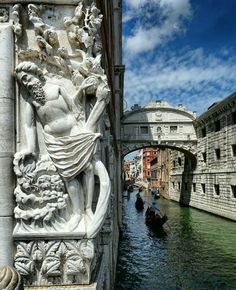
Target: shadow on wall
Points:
x,y
187,181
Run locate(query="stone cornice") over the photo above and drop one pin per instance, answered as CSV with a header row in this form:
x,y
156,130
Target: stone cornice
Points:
x,y
159,109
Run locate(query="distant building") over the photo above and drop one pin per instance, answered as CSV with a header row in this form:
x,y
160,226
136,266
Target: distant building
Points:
x,y
154,173
139,165
132,169
126,168
148,155
160,170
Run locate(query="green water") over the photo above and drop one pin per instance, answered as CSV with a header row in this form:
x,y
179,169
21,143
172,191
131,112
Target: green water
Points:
x,y
196,250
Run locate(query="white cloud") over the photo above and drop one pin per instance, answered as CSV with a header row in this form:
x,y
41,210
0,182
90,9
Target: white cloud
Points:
x,y
171,14
194,79
135,3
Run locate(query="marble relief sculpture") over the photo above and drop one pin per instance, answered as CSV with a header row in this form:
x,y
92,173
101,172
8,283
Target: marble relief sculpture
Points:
x,y
10,279
65,93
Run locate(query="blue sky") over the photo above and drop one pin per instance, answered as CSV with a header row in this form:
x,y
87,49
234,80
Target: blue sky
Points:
x,y
182,51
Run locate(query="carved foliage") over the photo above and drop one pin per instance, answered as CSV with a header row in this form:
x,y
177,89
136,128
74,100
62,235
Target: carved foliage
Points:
x,y
40,195
83,28
55,262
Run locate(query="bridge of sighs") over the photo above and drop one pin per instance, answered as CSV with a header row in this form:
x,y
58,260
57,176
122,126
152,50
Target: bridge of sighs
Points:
x,y
159,124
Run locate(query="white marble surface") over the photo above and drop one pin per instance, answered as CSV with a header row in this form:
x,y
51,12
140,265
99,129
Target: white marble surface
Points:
x,y
7,141
6,241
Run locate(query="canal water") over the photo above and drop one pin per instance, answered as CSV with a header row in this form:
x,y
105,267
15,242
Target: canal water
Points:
x,y
195,251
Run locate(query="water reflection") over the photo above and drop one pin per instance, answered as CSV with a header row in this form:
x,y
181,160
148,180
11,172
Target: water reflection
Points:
x,y
195,250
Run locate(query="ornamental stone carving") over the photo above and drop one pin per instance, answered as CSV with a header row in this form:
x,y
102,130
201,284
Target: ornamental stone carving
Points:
x,y
4,14
55,262
40,195
16,20
64,93
10,279
63,189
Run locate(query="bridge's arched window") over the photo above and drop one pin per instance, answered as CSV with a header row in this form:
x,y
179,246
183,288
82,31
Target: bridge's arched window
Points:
x,y
173,129
159,129
179,161
144,130
179,185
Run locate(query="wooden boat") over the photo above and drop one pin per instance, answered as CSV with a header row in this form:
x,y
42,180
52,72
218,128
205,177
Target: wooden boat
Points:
x,y
130,188
155,193
139,203
155,219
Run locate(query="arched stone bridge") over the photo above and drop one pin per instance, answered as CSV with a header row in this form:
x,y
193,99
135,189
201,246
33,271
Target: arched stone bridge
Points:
x,y
159,124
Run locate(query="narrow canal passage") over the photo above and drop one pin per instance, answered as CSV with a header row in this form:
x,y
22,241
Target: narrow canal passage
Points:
x,y
196,250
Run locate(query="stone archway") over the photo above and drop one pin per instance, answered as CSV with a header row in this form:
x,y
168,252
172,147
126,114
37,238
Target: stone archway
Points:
x,y
159,124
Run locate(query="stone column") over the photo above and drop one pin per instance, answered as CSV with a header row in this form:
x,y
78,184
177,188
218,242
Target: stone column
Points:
x,y
6,143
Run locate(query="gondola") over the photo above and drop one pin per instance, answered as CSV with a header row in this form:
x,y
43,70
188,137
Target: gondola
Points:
x,y
155,193
139,203
154,219
130,188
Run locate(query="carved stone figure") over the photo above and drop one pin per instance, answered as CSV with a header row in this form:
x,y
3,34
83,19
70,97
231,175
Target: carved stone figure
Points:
x,y
63,189
55,191
69,138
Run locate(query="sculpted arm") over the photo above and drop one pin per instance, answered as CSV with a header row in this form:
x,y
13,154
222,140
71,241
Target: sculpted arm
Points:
x,y
66,98
30,130
77,98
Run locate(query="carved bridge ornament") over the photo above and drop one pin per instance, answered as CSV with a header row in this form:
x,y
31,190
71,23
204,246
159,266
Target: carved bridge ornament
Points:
x,y
63,93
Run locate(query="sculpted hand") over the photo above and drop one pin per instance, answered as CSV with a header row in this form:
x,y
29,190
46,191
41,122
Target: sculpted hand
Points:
x,y
91,83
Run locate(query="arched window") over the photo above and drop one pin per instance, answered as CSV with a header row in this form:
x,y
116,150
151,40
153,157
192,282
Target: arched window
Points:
x,y
159,129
